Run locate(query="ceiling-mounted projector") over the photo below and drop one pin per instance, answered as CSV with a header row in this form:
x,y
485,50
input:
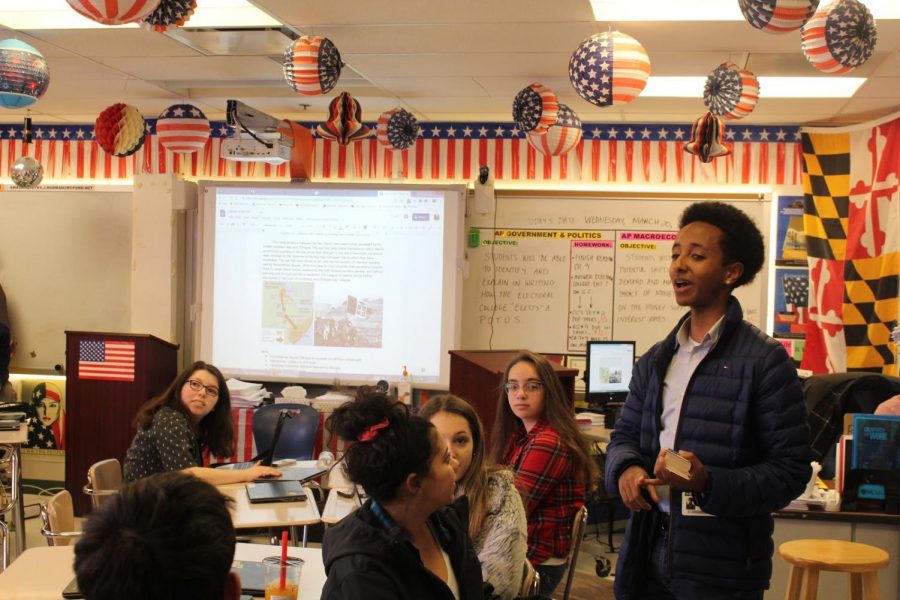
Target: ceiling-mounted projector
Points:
x,y
256,136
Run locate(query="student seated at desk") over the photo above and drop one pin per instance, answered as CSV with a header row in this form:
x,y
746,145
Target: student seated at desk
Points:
x,y
496,515
165,536
405,542
535,433
172,430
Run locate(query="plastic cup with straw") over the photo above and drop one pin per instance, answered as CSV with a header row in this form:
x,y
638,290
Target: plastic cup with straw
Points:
x,y
283,574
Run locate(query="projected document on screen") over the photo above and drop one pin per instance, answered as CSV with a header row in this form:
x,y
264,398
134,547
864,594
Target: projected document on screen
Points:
x,y
318,283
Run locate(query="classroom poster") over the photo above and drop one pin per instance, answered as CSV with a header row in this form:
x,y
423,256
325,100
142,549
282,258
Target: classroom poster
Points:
x,y
791,302
45,404
790,246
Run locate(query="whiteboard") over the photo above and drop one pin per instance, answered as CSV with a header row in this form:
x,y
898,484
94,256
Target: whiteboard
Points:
x,y
566,269
65,264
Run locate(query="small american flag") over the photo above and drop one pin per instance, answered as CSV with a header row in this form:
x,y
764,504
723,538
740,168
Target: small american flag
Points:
x,y
110,361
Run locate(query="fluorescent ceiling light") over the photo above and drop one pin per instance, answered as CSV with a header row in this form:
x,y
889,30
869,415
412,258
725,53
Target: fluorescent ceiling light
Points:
x,y
702,10
769,87
57,14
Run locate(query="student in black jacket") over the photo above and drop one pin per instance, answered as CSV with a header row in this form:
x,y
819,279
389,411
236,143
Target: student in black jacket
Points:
x,y
405,542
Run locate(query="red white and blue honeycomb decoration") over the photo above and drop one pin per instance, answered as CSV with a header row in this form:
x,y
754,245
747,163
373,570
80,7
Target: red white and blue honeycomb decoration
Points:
x,y
24,75
183,129
312,65
535,109
561,137
707,138
169,14
609,68
114,12
119,130
778,16
344,124
397,129
731,92
839,37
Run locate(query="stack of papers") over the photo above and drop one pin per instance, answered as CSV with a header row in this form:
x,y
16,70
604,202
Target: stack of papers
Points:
x,y
245,394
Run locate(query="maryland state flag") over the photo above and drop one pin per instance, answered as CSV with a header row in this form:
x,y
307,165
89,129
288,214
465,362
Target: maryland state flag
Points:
x,y
852,224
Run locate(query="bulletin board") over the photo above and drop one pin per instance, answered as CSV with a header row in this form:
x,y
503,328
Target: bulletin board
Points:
x,y
65,264
568,268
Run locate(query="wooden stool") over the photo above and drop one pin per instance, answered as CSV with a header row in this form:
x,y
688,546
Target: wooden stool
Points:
x,y
808,557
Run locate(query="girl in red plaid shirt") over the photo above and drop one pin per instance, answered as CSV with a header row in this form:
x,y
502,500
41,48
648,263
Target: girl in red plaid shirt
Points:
x,y
536,435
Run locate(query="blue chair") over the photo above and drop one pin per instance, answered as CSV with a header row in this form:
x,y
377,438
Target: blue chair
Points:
x,y
298,434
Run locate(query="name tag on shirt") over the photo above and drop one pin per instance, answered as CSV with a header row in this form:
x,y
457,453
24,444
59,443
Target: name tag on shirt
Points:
x,y
689,508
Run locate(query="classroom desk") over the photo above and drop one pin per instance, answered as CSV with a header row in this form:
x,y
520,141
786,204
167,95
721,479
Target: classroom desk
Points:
x,y
596,433
15,439
43,572
272,514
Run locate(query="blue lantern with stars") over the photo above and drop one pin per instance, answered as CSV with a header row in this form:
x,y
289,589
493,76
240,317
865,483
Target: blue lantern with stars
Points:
x,y
24,75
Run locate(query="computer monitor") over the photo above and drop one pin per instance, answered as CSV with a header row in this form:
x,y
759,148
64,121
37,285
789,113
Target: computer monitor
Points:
x,y
607,372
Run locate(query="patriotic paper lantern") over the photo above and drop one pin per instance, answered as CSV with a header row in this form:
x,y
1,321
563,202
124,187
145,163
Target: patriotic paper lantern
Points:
x,y
169,14
778,16
609,68
561,137
344,124
312,65
24,75
839,37
731,92
182,128
535,108
707,138
397,129
114,12
119,129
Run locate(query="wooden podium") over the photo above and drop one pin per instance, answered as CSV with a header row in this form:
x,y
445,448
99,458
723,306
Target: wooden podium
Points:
x,y
476,376
101,401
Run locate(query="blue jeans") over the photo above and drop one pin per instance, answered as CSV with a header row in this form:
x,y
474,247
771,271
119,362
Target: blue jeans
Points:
x,y
551,575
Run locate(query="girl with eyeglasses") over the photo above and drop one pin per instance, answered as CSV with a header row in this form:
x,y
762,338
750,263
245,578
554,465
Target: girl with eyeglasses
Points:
x,y
536,434
193,414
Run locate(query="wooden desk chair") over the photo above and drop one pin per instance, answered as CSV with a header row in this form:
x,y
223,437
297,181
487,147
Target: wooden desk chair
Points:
x,y
808,557
58,517
104,480
578,527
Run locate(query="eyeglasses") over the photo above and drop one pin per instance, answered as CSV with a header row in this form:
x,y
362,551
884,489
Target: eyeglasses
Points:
x,y
197,385
530,387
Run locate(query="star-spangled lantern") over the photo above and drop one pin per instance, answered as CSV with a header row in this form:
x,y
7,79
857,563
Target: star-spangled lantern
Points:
x,y
731,92
119,129
312,65
707,138
182,128
778,16
839,37
114,12
169,14
609,68
344,124
535,108
561,137
397,129
24,75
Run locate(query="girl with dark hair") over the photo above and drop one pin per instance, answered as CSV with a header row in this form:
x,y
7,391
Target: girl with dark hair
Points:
x,y
496,515
405,542
535,433
173,429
